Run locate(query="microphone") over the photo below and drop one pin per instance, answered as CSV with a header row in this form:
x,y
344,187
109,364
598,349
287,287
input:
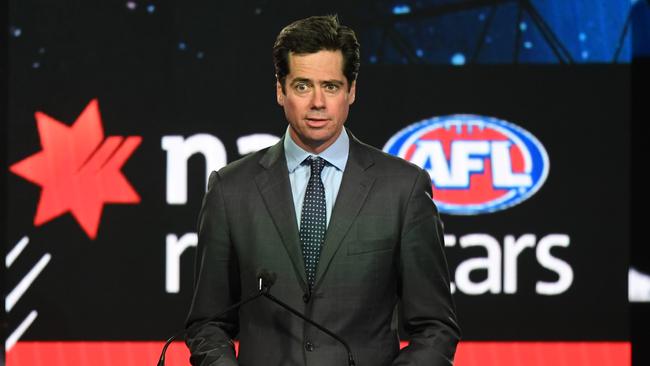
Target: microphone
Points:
x,y
266,280
270,278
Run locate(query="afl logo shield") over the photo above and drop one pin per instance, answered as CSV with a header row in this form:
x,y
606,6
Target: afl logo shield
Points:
x,y
477,164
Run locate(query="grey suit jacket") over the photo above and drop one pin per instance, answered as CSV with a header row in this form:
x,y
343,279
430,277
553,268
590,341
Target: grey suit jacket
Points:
x,y
383,246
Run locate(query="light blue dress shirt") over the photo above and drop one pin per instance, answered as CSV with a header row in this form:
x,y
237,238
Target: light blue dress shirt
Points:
x,y
336,156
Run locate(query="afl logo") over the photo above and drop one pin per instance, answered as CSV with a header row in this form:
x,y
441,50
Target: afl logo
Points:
x,y
477,164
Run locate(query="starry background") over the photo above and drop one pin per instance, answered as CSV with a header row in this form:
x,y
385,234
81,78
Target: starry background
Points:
x,y
457,32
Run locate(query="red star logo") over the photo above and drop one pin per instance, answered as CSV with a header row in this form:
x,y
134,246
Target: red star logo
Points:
x,y
77,169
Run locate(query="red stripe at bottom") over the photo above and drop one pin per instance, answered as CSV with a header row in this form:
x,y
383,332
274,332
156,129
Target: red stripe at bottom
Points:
x,y
544,353
468,354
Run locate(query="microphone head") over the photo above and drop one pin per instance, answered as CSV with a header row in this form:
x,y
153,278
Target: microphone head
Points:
x,y
267,277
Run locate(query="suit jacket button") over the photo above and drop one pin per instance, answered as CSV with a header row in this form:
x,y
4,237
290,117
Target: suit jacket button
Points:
x,y
305,298
309,347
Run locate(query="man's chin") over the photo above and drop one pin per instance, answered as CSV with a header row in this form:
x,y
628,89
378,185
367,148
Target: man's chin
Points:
x,y
317,143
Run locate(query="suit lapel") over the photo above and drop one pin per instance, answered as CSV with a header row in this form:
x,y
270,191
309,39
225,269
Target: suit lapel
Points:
x,y
275,188
355,185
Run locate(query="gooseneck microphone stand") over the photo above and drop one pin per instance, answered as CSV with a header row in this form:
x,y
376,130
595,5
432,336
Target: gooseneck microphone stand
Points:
x,y
266,280
262,289
322,328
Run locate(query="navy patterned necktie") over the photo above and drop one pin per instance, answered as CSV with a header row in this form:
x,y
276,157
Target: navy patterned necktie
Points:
x,y
313,219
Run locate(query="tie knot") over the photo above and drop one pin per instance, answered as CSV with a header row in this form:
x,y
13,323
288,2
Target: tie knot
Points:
x,y
317,164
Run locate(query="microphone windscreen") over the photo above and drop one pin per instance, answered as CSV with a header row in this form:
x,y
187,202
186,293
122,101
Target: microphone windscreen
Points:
x,y
268,277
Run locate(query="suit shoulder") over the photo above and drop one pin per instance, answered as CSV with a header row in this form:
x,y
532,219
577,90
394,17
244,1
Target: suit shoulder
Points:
x,y
243,168
384,162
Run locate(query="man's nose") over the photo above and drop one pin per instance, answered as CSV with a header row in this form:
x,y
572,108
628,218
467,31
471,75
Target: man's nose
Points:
x,y
318,99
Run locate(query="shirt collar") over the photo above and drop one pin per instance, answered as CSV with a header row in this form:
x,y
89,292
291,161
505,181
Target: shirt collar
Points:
x,y
336,154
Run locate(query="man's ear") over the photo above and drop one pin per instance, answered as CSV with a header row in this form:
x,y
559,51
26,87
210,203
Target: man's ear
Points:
x,y
352,94
279,94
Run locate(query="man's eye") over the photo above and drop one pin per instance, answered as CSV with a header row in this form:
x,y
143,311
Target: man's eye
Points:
x,y
301,87
331,87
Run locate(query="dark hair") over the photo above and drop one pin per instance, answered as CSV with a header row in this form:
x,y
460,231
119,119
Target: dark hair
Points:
x,y
314,34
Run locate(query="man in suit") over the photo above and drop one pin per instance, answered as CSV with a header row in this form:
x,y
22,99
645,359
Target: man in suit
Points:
x,y
349,230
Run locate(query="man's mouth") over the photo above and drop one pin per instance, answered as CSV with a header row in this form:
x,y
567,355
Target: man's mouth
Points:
x,y
316,121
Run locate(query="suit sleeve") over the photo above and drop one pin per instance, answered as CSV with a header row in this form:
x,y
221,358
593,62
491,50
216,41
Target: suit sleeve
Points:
x,y
216,285
425,297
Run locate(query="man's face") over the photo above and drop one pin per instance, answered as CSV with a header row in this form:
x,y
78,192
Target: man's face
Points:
x,y
317,99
